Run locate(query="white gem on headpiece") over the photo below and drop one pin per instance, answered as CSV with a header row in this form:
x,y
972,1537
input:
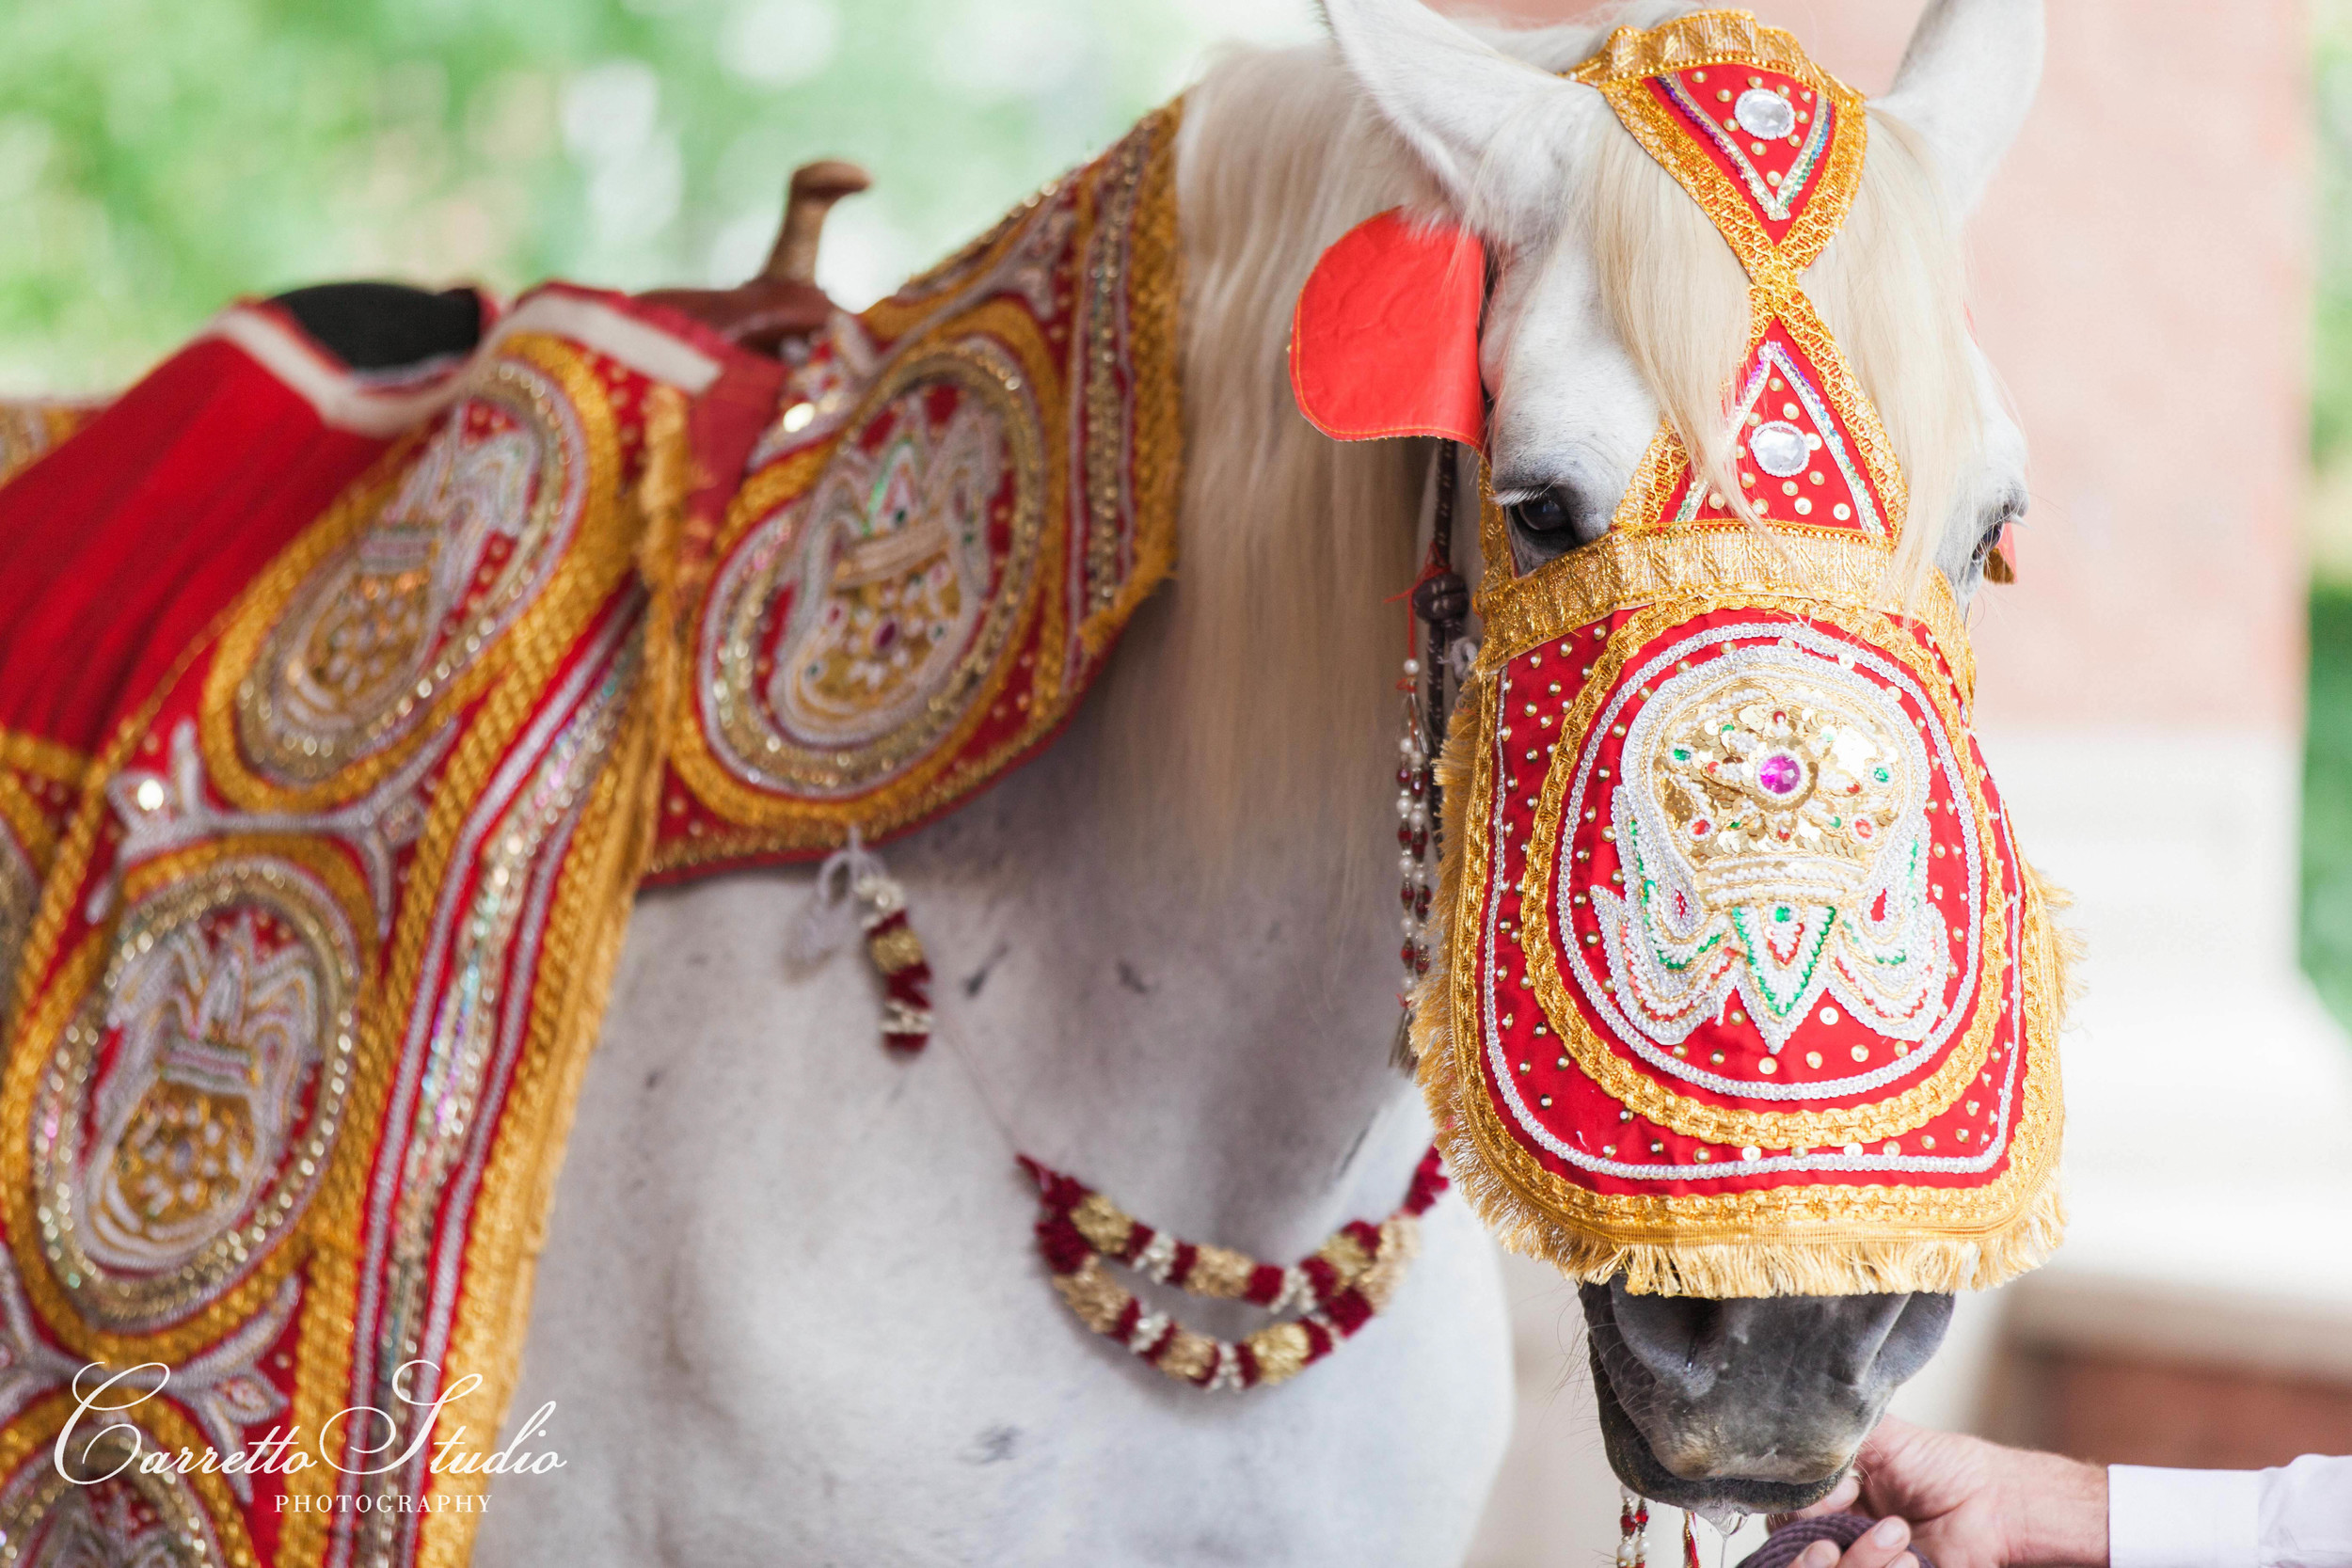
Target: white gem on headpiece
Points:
x,y
1766,114
1779,447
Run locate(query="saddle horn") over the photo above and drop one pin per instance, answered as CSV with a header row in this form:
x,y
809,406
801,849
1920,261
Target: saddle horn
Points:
x,y
813,190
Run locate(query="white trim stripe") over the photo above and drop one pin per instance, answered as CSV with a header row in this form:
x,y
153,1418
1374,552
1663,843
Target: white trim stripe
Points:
x,y
345,401
644,348
341,400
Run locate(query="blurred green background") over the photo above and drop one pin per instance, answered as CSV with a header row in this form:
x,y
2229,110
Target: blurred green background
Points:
x,y
246,145
2326,924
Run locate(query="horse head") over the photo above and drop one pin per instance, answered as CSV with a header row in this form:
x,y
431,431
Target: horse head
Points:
x,y
1612,305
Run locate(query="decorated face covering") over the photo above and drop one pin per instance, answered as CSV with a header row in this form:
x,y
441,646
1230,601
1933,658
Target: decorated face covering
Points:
x,y
1744,987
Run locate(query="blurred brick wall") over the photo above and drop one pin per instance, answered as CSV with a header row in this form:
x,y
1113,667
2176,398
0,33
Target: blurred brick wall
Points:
x,y
2142,281
2124,1409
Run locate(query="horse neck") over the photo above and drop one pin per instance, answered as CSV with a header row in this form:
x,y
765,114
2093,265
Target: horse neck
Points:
x,y
1208,1044
1176,932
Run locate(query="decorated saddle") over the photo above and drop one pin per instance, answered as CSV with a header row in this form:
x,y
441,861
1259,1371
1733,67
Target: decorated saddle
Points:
x,y
341,716
1744,987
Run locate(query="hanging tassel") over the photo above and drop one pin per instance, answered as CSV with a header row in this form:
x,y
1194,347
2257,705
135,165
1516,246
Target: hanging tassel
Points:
x,y
1633,1529
1690,1538
855,874
897,957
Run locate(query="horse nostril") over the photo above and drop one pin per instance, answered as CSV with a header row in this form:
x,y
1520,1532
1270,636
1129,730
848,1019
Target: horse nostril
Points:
x,y
1880,1341
1912,1339
1675,1338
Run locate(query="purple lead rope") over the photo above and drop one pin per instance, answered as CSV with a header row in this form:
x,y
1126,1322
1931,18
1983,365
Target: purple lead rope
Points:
x,y
1784,1545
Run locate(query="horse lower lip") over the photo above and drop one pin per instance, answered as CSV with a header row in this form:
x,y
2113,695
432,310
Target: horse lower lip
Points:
x,y
1637,1465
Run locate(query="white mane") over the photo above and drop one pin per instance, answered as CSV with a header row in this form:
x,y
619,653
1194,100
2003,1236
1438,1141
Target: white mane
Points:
x,y
1273,654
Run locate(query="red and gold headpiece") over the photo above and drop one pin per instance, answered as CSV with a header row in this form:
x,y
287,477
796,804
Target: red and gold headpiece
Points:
x,y
1745,989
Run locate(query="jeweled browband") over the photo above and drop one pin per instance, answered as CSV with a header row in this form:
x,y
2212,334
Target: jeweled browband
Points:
x,y
1743,986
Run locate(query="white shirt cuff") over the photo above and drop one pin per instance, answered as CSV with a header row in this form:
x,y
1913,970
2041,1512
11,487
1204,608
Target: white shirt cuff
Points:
x,y
2182,1518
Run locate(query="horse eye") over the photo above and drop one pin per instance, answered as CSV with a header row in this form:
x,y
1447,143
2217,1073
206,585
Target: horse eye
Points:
x,y
1997,567
1545,513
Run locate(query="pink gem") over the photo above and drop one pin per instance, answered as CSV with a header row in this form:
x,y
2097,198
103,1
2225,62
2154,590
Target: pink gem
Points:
x,y
1779,773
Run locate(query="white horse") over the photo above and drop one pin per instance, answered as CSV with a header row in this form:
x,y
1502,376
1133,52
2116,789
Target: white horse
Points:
x,y
788,1308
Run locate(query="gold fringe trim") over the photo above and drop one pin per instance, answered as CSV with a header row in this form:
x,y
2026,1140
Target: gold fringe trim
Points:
x,y
1853,1264
1720,1270
1701,38
2067,946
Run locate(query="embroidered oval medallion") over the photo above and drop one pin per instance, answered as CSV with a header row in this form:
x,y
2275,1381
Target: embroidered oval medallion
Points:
x,y
193,1102
844,636
455,555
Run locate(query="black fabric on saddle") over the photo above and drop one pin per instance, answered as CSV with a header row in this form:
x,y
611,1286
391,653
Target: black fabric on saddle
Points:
x,y
386,327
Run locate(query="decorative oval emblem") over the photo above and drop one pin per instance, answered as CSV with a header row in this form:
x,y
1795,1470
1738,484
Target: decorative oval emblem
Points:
x,y
1763,112
1761,886
848,631
451,559
196,1099
1772,818
1780,449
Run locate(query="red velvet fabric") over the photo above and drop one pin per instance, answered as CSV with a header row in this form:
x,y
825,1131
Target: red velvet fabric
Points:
x,y
118,549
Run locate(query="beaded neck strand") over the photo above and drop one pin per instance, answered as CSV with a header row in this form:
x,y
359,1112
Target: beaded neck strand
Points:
x,y
1440,602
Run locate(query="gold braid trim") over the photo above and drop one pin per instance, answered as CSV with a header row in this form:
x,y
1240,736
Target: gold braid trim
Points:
x,y
1158,287
601,873
1624,571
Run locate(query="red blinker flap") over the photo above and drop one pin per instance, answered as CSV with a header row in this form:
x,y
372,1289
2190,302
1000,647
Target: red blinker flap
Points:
x,y
1385,341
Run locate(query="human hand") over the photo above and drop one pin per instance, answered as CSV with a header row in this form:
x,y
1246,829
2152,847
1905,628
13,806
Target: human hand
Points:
x,y
1882,1546
1967,1503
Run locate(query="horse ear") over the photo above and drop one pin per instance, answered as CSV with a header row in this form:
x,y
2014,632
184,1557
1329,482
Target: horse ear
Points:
x,y
1966,81
1384,340
1498,134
